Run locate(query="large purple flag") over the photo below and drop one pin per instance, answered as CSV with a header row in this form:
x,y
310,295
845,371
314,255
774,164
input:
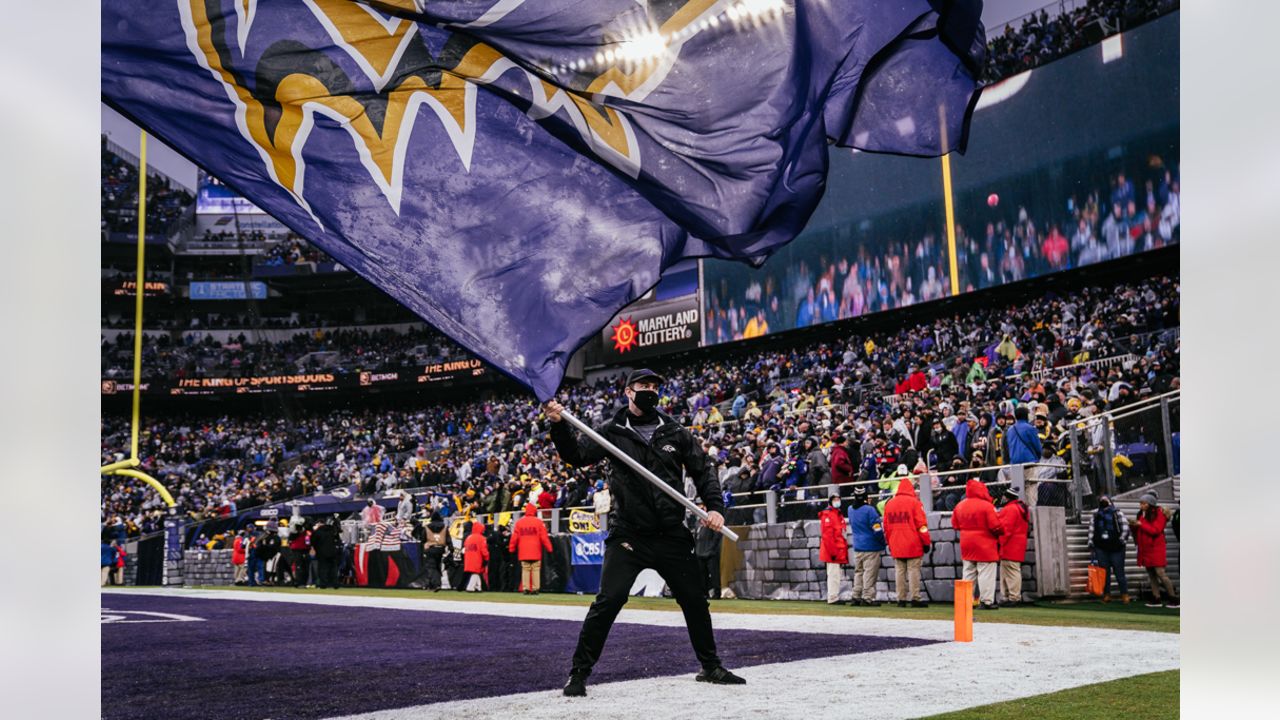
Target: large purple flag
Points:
x,y
517,171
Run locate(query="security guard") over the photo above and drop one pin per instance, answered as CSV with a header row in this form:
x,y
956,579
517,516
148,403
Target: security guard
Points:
x,y
646,527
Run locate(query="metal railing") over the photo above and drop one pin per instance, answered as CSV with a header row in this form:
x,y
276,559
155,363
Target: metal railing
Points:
x,y
1105,362
938,492
1130,447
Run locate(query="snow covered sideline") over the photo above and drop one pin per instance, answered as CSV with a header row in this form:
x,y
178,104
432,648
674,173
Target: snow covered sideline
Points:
x,y
1004,662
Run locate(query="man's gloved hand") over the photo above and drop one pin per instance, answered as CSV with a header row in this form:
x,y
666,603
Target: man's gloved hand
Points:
x,y
552,409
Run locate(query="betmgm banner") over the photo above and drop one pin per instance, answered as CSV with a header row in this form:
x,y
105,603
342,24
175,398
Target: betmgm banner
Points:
x,y
666,319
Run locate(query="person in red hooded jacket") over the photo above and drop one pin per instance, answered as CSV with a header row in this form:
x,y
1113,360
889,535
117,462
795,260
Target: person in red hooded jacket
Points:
x,y
1148,533
833,547
528,540
1015,519
975,517
475,556
239,552
906,530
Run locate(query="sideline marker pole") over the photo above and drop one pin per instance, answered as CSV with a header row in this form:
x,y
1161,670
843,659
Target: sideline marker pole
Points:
x,y
964,610
643,471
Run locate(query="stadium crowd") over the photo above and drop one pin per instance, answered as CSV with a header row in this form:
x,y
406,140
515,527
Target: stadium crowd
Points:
x,y
198,354
935,395
183,318
1101,225
1041,38
166,202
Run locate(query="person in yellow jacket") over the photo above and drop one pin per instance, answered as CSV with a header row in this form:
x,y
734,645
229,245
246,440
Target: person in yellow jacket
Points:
x,y
889,485
756,326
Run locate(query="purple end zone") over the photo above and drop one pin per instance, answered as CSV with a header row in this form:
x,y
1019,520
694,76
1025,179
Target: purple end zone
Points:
x,y
279,660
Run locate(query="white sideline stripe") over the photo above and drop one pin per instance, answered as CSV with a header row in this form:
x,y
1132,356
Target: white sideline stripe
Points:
x,y
1005,662
927,629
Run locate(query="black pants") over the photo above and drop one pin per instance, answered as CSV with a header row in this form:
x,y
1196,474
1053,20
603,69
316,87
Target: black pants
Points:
x,y
301,566
433,557
710,572
624,558
327,572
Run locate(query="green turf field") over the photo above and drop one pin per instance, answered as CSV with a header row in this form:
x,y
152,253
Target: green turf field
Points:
x,y
1087,614
1142,697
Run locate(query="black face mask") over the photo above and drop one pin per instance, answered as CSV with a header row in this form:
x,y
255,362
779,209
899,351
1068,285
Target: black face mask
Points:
x,y
646,400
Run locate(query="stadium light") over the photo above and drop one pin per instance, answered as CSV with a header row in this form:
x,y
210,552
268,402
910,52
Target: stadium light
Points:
x,y
642,48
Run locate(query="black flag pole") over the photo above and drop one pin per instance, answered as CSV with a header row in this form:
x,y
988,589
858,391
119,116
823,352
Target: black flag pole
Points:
x,y
643,471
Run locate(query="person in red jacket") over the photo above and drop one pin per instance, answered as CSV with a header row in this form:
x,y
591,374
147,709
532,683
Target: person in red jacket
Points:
x,y
975,517
238,552
1015,520
1148,533
906,530
121,555
547,499
300,552
917,381
842,466
528,540
833,547
475,556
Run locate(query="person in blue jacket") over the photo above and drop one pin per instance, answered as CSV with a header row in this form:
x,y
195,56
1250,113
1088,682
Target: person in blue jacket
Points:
x,y
1021,441
108,552
868,546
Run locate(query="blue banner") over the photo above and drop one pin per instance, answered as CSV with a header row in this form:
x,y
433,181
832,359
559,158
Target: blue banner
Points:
x,y
172,539
517,171
228,290
587,549
586,557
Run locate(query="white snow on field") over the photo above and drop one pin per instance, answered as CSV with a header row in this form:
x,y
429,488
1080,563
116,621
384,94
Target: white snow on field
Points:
x,y
1004,662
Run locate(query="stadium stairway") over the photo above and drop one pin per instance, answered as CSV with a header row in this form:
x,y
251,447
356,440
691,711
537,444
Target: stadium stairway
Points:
x,y
1078,545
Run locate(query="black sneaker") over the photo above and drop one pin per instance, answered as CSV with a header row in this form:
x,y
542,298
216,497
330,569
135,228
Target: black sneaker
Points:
x,y
1172,604
988,606
871,603
902,603
919,603
1155,604
717,675
856,602
577,685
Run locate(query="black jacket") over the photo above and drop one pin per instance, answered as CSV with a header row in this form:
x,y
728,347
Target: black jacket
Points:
x,y
326,542
268,545
637,507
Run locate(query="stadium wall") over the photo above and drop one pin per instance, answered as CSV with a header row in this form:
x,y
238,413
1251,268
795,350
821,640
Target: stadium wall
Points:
x,y
207,567
780,562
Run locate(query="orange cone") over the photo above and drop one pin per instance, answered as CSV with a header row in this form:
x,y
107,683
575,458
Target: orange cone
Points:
x,y
964,611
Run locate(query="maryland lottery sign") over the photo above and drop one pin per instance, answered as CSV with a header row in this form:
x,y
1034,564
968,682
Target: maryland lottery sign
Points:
x,y
650,328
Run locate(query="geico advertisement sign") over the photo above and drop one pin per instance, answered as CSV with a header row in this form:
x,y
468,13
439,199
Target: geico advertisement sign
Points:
x,y
653,328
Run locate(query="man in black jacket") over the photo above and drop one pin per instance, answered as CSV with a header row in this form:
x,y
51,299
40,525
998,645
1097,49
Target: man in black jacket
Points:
x,y
646,527
326,544
268,547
